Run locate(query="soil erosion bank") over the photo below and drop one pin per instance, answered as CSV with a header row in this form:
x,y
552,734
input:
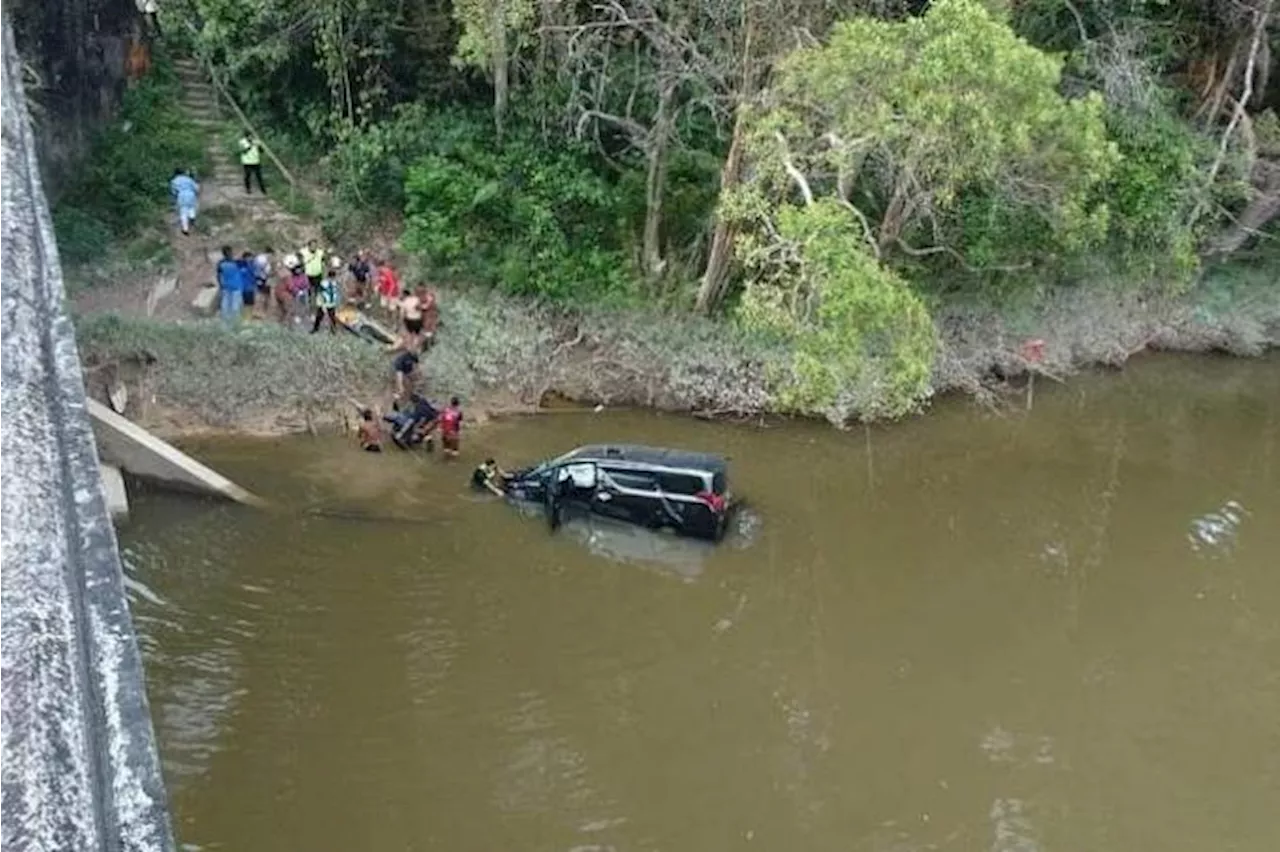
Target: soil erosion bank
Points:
x,y
503,355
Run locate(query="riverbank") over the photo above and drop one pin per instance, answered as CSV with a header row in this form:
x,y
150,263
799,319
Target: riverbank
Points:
x,y
504,356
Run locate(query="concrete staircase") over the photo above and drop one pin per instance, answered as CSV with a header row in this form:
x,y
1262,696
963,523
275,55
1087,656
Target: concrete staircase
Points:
x,y
228,215
224,185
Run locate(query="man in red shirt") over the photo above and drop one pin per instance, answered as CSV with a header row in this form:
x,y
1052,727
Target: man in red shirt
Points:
x,y
388,285
451,428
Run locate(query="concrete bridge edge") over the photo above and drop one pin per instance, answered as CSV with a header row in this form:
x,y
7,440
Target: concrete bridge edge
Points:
x,y
80,765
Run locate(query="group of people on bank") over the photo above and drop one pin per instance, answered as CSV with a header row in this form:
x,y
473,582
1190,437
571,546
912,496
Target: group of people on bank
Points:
x,y
316,284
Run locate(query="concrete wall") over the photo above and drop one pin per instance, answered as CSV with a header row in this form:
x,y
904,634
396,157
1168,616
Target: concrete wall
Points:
x,y
80,769
74,54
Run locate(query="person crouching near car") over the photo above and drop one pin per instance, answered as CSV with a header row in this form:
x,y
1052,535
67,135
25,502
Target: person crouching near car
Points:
x,y
489,477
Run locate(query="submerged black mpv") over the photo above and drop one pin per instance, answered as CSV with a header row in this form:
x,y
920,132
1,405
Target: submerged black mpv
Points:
x,y
654,487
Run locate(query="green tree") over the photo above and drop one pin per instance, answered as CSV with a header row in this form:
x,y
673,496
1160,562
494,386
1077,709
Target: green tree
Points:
x,y
852,323
490,37
898,120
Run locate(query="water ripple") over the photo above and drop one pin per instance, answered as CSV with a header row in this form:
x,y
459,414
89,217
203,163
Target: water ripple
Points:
x,y
1215,532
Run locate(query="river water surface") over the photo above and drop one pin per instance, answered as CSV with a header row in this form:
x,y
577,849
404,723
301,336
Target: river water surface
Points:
x,y
1048,631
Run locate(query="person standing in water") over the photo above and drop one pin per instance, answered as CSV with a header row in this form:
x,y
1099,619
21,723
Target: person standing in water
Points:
x,y
186,196
451,428
370,434
251,162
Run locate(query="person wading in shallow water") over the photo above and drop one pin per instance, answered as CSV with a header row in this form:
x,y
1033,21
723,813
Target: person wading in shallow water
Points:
x,y
451,429
370,434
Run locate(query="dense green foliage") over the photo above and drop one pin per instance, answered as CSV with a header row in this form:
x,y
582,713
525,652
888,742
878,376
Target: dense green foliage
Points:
x,y
125,180
536,223
817,171
850,320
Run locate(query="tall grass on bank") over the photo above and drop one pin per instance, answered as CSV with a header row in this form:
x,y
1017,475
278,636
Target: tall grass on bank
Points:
x,y
490,344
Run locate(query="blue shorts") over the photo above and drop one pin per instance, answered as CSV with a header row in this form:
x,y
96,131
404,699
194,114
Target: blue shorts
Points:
x,y
405,362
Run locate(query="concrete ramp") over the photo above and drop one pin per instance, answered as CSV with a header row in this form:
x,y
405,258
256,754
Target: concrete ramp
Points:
x,y
136,451
79,769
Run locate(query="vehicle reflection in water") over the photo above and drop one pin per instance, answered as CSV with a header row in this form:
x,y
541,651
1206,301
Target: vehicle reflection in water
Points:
x,y
627,543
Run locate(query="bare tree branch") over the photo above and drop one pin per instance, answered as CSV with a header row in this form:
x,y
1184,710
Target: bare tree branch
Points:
x,y
931,250
792,172
1261,18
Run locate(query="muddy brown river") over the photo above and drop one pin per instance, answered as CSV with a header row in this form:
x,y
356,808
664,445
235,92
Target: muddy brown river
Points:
x,y
1055,630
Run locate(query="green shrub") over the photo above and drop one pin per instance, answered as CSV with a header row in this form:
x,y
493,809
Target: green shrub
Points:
x,y
1151,192
124,182
537,221
82,235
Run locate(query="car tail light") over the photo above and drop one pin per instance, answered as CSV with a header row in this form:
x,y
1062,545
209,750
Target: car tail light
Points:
x,y
712,500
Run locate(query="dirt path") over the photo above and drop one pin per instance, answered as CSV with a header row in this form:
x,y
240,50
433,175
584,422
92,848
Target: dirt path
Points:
x,y
228,216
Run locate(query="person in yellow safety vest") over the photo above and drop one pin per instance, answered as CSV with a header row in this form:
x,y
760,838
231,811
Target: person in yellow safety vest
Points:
x,y
251,160
313,265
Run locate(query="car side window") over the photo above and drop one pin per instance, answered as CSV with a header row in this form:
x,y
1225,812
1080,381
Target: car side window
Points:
x,y
581,475
681,483
636,480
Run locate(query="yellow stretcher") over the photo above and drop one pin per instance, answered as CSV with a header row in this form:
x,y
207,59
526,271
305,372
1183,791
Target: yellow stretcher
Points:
x,y
361,325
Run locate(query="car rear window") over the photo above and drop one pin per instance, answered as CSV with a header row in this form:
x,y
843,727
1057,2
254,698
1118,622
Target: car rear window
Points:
x,y
681,483
720,483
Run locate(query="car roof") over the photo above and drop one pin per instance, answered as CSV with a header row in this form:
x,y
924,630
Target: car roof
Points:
x,y
639,454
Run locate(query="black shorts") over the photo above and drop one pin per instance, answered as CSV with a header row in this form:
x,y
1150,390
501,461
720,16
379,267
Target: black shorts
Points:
x,y
249,297
405,362
263,287
413,326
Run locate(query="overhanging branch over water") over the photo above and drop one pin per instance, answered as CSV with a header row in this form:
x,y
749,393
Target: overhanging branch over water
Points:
x,y
80,766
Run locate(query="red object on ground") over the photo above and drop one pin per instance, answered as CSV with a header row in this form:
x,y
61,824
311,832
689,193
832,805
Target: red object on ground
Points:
x,y
1033,350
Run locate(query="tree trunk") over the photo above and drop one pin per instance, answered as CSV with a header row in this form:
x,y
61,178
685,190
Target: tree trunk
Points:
x,y
715,277
1264,207
894,216
655,185
501,64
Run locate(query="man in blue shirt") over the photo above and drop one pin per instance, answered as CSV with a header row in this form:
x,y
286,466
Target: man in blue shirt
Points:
x,y
186,195
248,280
230,286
